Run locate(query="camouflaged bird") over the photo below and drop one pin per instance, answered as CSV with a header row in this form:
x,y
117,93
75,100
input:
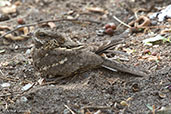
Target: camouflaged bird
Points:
x,y
58,56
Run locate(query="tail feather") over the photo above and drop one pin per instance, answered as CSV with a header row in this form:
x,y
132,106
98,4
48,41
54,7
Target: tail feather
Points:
x,y
112,65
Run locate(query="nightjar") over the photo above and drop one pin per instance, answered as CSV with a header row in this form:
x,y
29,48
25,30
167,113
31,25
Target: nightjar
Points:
x,y
57,56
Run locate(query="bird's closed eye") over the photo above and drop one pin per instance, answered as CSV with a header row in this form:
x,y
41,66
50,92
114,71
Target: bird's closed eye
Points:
x,y
41,34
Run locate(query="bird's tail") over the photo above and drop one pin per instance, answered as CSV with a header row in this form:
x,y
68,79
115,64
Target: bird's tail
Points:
x,y
113,66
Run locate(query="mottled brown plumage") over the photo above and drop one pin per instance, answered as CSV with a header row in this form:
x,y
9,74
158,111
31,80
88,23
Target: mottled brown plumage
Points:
x,y
57,56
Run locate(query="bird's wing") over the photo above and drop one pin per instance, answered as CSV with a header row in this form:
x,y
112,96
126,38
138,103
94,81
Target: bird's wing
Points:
x,y
113,65
108,44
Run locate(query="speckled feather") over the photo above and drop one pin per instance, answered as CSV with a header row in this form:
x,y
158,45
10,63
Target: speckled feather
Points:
x,y
57,56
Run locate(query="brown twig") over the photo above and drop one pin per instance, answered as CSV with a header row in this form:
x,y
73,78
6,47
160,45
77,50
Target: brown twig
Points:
x,y
96,107
72,112
121,22
46,21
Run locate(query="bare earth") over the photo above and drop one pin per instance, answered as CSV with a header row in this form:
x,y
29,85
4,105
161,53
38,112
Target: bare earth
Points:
x,y
96,90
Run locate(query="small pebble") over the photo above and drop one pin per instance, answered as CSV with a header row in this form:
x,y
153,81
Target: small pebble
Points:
x,y
100,32
154,54
110,25
5,85
66,111
124,103
107,26
28,51
23,99
169,87
113,26
109,31
16,47
20,21
4,17
153,23
162,95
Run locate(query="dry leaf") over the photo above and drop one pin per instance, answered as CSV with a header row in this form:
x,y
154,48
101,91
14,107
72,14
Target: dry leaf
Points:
x,y
2,27
41,81
25,30
128,50
70,17
4,64
15,38
9,9
2,32
31,29
51,24
112,81
2,51
161,95
4,3
154,58
124,103
150,58
129,99
8,36
165,31
20,29
18,3
19,38
96,9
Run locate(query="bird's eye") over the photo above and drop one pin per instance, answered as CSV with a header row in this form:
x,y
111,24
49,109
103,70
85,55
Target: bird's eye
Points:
x,y
41,34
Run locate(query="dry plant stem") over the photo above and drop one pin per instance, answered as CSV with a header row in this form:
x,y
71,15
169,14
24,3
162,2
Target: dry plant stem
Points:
x,y
121,22
70,109
1,72
153,111
46,21
95,107
4,95
8,79
135,13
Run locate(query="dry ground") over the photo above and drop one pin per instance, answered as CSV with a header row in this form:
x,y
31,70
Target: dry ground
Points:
x,y
98,87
